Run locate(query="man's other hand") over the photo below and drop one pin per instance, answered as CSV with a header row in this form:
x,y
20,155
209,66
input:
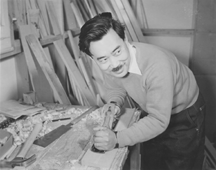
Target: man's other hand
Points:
x,y
104,139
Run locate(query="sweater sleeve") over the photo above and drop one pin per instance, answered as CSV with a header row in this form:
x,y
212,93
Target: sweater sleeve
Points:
x,y
158,81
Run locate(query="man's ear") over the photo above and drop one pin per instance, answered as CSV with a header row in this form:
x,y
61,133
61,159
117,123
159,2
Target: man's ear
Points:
x,y
126,38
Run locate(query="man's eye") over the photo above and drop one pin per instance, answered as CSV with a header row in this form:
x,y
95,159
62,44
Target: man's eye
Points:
x,y
103,60
117,52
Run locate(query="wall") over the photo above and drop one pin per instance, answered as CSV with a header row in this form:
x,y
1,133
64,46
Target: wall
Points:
x,y
171,14
8,79
203,62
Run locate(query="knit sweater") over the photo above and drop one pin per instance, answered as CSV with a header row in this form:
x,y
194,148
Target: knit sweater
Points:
x,y
165,87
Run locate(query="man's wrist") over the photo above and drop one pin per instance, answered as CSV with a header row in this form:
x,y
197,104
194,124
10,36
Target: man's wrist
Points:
x,y
117,144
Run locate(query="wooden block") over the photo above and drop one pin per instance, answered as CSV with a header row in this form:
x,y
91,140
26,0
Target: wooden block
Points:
x,y
29,98
49,73
73,70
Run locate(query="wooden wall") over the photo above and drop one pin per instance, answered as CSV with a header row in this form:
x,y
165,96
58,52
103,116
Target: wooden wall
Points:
x,y
203,61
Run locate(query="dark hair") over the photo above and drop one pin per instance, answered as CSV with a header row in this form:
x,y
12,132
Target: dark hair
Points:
x,y
95,28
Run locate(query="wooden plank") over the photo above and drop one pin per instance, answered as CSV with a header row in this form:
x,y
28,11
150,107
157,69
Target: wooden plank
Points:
x,y
104,5
22,74
168,32
70,19
77,13
49,73
87,76
72,69
142,14
81,64
89,9
16,50
20,11
38,81
50,39
57,6
83,9
92,7
133,21
44,16
52,17
120,18
126,20
74,46
49,58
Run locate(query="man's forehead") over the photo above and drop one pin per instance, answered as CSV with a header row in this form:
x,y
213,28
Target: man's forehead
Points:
x,y
106,45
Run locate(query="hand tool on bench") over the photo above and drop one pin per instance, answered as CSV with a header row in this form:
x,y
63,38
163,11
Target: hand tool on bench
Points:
x,y
20,159
58,132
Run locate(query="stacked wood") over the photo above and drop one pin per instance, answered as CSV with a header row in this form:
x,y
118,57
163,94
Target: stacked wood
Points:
x,y
56,74
64,74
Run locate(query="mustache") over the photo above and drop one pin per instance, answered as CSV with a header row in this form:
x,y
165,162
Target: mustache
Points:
x,y
117,68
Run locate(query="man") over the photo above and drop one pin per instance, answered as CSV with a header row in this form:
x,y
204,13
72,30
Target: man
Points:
x,y
172,133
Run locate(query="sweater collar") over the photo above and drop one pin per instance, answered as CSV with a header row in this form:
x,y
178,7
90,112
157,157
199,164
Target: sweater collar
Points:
x,y
133,68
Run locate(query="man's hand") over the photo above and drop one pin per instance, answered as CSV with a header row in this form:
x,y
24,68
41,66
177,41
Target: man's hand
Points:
x,y
104,139
113,108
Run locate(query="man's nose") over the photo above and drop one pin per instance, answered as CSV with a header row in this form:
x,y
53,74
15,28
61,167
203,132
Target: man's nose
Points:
x,y
113,62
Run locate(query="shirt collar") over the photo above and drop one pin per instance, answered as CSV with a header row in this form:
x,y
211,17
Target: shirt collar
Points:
x,y
133,68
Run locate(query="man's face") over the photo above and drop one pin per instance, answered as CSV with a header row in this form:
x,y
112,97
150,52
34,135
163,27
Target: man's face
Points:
x,y
111,54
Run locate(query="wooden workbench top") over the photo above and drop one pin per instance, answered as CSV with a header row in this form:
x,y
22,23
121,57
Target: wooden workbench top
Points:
x,y
65,153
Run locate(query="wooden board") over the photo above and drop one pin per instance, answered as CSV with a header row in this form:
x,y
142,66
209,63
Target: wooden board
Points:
x,y
133,21
47,70
44,15
77,13
120,18
105,160
70,20
38,81
52,17
72,69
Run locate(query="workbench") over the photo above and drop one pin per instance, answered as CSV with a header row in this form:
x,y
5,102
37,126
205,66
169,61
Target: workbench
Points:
x,y
66,152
